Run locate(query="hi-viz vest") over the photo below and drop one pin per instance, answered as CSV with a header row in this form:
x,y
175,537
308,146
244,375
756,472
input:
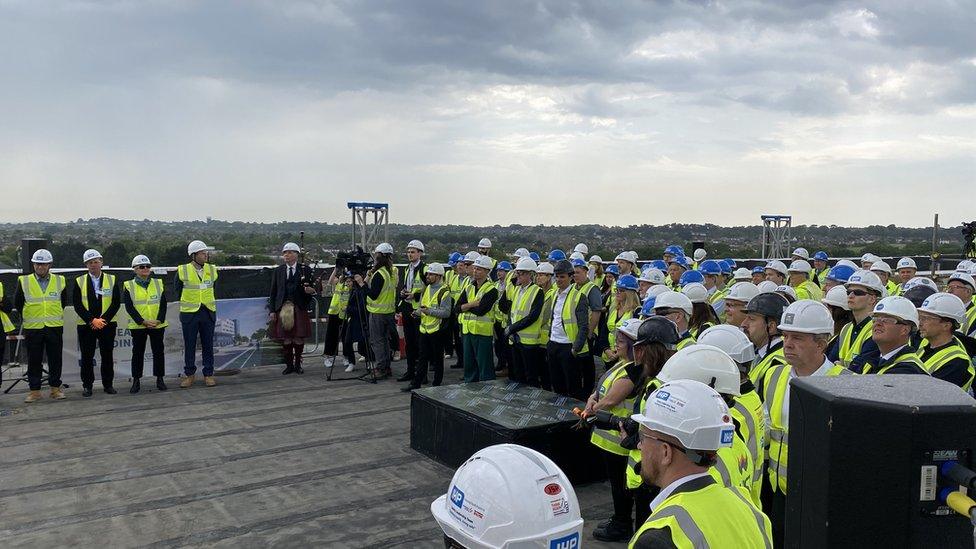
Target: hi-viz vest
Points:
x,y
970,326
339,301
478,325
146,301
733,466
521,306
686,340
5,322
430,324
634,480
944,355
850,346
197,292
42,308
462,286
416,288
609,440
108,293
613,323
774,357
808,290
598,281
820,277
500,317
385,303
892,288
549,300
905,354
568,315
774,396
702,513
753,424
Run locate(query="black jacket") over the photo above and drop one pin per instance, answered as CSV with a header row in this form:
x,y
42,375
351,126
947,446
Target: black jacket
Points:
x,y
134,314
283,289
96,311
403,305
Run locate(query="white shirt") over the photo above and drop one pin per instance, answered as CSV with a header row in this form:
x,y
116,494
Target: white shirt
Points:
x,y
558,333
761,352
670,488
96,283
291,269
821,371
886,356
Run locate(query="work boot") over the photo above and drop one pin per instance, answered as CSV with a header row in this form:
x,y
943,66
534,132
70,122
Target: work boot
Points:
x,y
210,381
136,386
187,382
86,392
407,376
614,531
160,384
33,396
109,390
299,369
288,370
57,393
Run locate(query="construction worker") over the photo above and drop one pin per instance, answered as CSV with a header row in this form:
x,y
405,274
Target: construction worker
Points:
x,y
800,254
458,285
288,301
543,279
715,284
6,326
627,263
689,277
854,345
883,270
676,269
894,321
735,302
41,299
942,354
649,277
838,275
626,301
799,273
515,519
145,301
685,424
740,275
434,308
905,269
450,325
484,248
748,413
336,319
677,308
836,303
671,252
597,271
962,286
698,255
776,272
524,306
506,291
567,334
869,259
820,268
476,306
761,324
702,314
410,287
806,327
96,301
758,274
594,298
786,291
198,311
379,286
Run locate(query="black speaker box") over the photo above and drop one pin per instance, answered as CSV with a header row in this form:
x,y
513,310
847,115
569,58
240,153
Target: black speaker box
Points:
x,y
27,248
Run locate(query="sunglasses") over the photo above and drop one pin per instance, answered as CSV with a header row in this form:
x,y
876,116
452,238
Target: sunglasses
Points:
x,y
859,293
144,267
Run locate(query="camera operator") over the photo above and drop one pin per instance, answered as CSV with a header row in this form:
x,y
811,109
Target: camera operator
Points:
x,y
336,325
411,286
381,305
354,326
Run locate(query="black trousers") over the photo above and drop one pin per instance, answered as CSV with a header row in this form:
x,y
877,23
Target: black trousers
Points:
x,y
623,499
456,338
333,332
774,505
516,371
448,327
41,341
587,375
431,357
411,339
503,351
529,364
155,337
105,339
564,370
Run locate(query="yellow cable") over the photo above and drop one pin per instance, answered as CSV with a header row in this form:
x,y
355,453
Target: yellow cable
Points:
x,y
961,503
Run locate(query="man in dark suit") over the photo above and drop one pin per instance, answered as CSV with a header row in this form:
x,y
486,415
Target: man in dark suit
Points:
x,y
96,299
410,287
291,292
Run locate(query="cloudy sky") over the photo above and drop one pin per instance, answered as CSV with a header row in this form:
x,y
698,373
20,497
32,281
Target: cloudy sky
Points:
x,y
561,112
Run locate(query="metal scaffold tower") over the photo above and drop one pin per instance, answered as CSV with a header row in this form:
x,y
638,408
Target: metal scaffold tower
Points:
x,y
776,236
367,220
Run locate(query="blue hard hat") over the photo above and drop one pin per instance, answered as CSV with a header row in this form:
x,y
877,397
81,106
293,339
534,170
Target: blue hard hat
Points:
x,y
821,255
710,267
627,282
612,269
840,273
556,255
759,269
648,308
503,266
454,258
580,263
535,256
691,276
726,266
731,262
660,265
674,250
682,261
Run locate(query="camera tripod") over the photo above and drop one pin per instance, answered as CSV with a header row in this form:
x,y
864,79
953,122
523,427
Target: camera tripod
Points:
x,y
369,375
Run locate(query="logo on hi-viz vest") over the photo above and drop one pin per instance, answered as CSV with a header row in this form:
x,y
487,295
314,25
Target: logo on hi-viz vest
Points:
x,y
457,497
727,435
571,541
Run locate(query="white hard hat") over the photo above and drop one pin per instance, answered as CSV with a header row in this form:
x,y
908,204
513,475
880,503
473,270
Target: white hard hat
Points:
x,y
898,307
802,252
509,496
920,280
800,266
965,278
581,248
435,268
849,263
743,292
521,252
691,412
656,290
786,289
695,291
595,259
545,268
197,246
964,266
730,339
627,256
705,363
945,305
416,244
837,296
870,258
384,248
471,256
629,327
700,254
652,275
766,287
290,247
42,256
778,266
881,266
906,263
89,255
140,260
484,262
807,316
526,264
866,279
742,274
673,300
577,255
973,270
484,243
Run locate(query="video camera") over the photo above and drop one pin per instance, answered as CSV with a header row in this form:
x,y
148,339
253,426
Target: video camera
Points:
x,y
969,234
355,262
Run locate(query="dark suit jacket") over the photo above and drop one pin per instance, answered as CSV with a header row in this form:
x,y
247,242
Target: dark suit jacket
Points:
x,y
402,305
283,290
95,300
